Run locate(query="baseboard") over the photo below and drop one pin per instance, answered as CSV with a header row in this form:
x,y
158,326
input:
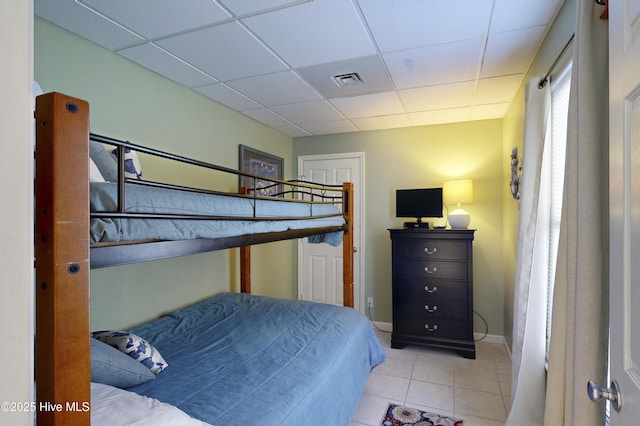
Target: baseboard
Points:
x,y
383,326
489,338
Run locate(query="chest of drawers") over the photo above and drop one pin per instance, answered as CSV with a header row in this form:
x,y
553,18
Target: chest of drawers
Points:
x,y
432,274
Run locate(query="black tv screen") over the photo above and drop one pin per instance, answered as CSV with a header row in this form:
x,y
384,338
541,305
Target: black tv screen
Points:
x,y
419,203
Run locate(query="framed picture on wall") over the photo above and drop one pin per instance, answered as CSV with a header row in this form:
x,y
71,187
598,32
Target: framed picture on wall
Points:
x,y
263,165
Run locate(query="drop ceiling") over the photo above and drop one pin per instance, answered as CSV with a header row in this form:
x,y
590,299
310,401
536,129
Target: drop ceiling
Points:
x,y
420,62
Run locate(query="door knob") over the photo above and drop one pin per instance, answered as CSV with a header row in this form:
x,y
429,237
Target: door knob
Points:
x,y
597,393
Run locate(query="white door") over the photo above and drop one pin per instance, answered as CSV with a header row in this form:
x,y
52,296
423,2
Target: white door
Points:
x,y
320,265
624,187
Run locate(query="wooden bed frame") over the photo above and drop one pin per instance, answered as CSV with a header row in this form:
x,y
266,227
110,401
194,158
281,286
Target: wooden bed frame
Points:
x,y
64,257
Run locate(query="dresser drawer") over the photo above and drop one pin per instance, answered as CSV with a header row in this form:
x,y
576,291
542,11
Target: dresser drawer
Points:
x,y
434,288
431,249
430,309
420,326
432,269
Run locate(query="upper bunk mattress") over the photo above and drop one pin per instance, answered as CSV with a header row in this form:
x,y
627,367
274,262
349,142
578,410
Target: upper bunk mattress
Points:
x,y
139,199
238,359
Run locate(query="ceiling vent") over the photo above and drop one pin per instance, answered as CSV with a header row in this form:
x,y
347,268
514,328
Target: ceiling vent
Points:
x,y
347,80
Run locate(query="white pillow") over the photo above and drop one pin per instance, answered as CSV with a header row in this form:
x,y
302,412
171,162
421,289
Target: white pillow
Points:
x,y
134,346
94,172
112,406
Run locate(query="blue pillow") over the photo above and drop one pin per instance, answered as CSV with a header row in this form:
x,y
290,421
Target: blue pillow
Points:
x,y
104,161
111,367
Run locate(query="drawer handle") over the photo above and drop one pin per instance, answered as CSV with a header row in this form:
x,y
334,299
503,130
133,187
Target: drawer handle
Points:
x,y
430,310
434,251
429,271
428,290
431,329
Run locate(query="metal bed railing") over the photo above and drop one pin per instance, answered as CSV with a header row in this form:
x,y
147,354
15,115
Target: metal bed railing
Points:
x,y
293,191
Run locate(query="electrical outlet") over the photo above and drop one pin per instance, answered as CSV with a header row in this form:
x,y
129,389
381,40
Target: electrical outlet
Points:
x,y
370,302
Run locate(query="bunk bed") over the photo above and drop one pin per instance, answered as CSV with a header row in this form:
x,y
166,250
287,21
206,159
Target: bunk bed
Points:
x,y
66,248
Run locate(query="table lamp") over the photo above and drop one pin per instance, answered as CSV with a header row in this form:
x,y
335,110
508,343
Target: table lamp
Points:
x,y
458,192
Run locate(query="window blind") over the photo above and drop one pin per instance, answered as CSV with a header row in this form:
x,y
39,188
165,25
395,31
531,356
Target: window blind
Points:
x,y
560,91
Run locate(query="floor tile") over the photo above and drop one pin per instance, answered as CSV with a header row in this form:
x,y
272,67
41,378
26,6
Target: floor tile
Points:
x,y
440,381
479,404
371,409
443,375
430,395
479,421
385,386
477,378
505,383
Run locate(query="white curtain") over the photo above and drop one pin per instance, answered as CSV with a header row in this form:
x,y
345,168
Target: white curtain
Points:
x,y
579,333
528,351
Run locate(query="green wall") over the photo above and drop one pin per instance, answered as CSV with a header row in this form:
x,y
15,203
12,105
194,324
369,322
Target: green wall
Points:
x,y
132,103
426,157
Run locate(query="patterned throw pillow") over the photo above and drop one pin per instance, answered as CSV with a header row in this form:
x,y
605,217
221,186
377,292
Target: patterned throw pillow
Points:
x,y
134,346
132,166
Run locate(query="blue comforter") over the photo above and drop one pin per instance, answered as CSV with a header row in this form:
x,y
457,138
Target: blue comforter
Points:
x,y
238,359
138,199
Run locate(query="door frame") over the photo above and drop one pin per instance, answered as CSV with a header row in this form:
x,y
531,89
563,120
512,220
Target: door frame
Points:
x,y
359,199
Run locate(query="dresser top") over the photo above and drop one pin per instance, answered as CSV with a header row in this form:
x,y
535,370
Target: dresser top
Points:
x,y
453,234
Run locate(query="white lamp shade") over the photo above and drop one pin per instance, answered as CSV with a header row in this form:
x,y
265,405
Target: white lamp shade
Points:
x,y
458,192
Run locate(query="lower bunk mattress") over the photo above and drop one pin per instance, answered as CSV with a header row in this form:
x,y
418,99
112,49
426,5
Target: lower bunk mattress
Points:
x,y
238,359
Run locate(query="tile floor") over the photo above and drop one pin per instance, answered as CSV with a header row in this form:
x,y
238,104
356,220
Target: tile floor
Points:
x,y
440,381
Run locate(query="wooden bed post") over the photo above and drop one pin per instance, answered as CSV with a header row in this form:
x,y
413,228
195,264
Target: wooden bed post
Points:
x,y
62,348
347,245
245,260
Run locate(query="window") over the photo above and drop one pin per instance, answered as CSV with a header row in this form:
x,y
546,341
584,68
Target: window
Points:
x,y
554,171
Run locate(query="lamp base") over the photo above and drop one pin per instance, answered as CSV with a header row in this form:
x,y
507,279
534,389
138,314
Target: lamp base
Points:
x,y
459,219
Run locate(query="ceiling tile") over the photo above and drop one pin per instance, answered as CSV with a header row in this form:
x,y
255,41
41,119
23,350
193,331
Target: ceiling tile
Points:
x,y
268,117
369,105
156,18
308,112
275,89
157,60
511,52
308,39
421,61
84,22
330,127
293,131
256,6
369,68
512,14
225,95
438,97
405,24
431,65
231,52
384,122
452,115
498,89
486,112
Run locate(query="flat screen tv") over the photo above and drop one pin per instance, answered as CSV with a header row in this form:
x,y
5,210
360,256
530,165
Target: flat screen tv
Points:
x,y
419,203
